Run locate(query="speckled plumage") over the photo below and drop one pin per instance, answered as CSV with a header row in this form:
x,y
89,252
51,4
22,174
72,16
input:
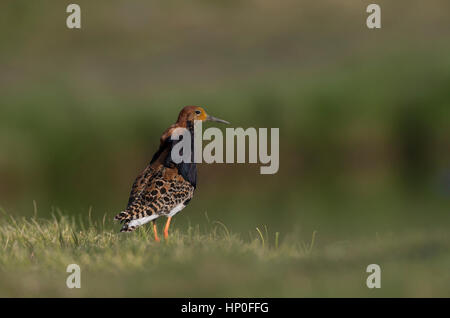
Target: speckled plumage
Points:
x,y
156,192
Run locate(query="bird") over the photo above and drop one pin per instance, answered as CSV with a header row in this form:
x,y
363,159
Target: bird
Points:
x,y
164,187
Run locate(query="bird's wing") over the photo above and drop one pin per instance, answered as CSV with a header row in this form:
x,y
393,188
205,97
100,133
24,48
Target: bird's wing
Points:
x,y
165,191
145,177
140,183
158,189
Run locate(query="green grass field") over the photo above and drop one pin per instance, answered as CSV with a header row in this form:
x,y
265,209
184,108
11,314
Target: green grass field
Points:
x,y
210,260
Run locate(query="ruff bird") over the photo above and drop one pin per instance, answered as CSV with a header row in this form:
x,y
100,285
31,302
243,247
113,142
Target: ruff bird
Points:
x,y
164,187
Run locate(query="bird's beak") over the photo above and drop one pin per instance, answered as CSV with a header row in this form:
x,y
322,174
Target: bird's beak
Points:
x,y
212,118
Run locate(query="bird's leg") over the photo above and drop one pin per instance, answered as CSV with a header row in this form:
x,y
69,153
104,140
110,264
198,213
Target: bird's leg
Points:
x,y
155,230
166,228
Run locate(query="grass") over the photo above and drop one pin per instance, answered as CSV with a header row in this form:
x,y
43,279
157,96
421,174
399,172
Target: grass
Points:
x,y
211,260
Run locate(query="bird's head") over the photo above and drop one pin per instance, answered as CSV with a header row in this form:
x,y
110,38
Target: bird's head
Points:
x,y
192,113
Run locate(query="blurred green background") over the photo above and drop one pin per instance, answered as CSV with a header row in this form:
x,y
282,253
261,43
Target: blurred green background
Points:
x,y
364,115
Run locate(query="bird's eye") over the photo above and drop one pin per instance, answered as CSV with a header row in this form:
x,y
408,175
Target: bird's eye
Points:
x,y
198,112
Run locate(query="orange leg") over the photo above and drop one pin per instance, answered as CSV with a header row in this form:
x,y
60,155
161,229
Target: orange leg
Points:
x,y
166,229
155,230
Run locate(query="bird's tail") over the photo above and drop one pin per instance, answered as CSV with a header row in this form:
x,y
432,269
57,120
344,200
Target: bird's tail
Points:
x,y
122,216
126,227
125,218
132,220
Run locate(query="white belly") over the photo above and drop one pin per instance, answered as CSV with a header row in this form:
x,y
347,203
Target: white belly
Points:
x,y
146,219
143,220
176,209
